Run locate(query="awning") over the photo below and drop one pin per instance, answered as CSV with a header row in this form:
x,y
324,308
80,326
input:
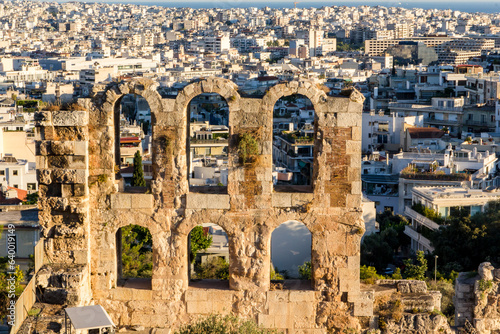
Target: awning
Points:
x,y
89,317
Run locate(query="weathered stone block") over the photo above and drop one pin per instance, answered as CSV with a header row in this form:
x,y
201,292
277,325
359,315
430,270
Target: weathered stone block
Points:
x,y
69,118
303,308
265,320
121,201
412,286
207,201
196,295
282,200
199,307
142,201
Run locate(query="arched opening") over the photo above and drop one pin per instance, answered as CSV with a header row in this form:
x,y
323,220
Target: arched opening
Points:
x,y
293,144
208,261
291,255
134,254
132,119
207,143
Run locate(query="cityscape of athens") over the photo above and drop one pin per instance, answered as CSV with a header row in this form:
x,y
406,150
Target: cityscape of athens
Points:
x,y
237,167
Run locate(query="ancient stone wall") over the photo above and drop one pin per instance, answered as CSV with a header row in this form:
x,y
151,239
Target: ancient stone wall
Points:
x,y
477,299
82,208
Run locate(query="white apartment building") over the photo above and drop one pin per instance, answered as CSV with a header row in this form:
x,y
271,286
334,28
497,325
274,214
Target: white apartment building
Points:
x,y
375,47
388,130
19,174
452,168
443,112
313,39
446,201
217,44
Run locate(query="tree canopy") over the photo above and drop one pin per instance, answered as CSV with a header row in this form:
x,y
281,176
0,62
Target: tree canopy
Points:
x,y
138,176
467,241
199,241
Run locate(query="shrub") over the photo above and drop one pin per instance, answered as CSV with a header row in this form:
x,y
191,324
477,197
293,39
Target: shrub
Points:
x,y
275,275
248,147
305,271
368,274
215,268
416,271
397,274
485,285
216,324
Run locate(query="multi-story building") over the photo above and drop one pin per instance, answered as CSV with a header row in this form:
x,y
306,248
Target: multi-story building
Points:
x,y
444,112
218,43
19,174
447,201
386,132
451,168
440,44
293,150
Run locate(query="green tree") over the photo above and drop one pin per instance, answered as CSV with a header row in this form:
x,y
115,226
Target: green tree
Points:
x,y
305,270
199,241
138,176
416,270
429,213
31,199
388,220
467,241
378,249
137,251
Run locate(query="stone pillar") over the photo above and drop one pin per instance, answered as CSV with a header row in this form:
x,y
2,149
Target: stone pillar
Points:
x,y
62,162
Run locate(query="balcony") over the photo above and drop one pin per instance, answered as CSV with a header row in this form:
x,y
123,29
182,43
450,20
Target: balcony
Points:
x,y
441,121
479,123
435,176
421,219
294,139
419,238
211,142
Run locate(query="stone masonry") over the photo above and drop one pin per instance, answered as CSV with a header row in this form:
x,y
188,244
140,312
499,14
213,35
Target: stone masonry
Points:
x,y
477,299
82,208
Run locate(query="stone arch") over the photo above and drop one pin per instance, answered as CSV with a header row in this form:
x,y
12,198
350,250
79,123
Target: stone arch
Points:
x,y
227,89
113,94
180,234
308,89
126,219
296,231
224,87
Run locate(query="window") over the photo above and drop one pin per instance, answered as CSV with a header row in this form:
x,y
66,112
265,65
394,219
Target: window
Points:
x,y
208,255
31,186
134,254
16,186
290,251
2,172
383,127
15,172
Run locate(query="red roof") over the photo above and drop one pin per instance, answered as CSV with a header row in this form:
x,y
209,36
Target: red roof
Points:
x,y
425,133
21,196
130,140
